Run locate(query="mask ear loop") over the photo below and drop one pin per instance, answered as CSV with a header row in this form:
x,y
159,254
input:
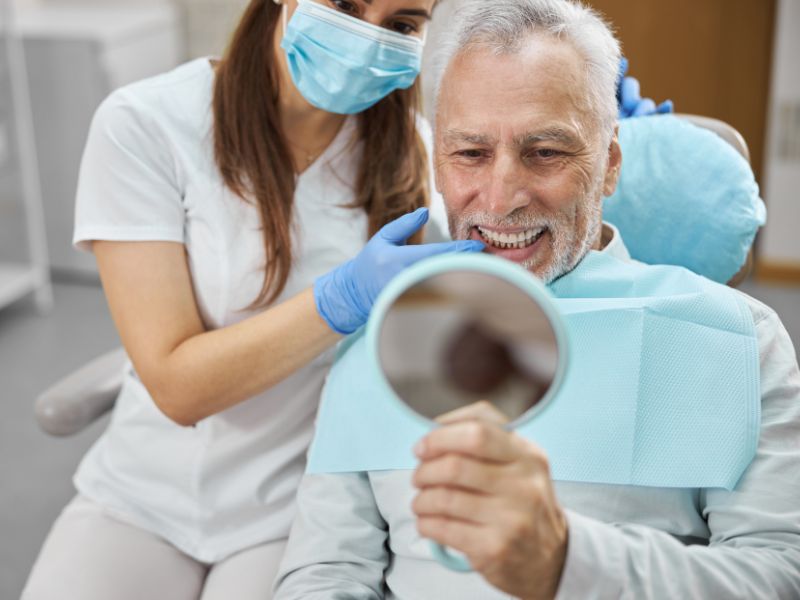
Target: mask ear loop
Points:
x,y
424,37
283,13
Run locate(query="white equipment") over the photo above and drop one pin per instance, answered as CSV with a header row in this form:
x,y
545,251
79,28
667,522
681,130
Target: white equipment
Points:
x,y
19,177
77,53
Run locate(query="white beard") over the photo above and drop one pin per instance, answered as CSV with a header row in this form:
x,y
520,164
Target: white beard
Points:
x,y
568,248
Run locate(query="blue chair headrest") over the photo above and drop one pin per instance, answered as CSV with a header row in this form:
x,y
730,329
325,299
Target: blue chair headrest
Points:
x,y
685,197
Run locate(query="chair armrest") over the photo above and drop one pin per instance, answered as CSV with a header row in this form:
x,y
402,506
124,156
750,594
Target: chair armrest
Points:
x,y
79,399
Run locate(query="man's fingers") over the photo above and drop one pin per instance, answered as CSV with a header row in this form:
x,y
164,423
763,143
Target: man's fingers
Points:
x,y
479,411
455,503
455,470
458,535
478,439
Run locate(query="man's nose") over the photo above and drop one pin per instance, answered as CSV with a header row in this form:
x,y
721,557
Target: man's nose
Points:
x,y
507,190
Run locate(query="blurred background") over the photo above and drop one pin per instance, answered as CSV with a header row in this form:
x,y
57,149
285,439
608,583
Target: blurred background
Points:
x,y
735,60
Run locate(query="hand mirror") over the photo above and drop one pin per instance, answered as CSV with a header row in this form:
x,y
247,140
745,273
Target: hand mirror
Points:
x,y
456,330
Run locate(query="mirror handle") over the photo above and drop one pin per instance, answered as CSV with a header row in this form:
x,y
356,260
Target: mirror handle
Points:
x,y
455,562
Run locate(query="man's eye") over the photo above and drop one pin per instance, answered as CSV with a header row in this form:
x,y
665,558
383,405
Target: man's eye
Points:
x,y
470,153
403,27
546,153
344,6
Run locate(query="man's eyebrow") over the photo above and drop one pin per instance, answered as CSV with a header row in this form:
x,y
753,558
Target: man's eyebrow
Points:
x,y
551,134
453,136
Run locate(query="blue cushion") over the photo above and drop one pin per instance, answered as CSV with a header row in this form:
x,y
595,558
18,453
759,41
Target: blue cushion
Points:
x,y
685,197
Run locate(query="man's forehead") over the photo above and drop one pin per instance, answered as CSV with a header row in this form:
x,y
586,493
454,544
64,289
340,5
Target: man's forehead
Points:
x,y
538,90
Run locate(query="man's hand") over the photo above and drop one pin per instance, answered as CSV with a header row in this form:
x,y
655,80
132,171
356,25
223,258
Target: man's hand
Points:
x,y
487,493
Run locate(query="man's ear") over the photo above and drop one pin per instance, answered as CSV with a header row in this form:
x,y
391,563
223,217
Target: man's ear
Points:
x,y
614,164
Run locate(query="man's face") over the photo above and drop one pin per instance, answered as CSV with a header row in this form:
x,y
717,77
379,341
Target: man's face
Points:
x,y
520,159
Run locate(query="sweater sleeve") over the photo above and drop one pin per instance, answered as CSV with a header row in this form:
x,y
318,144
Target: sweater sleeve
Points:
x,y
754,547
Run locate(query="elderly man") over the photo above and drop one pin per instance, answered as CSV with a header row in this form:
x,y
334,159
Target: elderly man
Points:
x,y
526,144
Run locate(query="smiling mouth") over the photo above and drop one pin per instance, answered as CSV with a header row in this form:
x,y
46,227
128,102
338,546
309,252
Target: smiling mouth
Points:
x,y
521,239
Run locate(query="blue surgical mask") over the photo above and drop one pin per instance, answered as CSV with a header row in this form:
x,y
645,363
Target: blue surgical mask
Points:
x,y
343,65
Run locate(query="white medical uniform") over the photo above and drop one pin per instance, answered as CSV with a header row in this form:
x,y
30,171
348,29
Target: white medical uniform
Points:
x,y
149,174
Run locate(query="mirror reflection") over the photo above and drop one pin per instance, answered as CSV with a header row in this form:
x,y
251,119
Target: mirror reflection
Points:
x,y
462,337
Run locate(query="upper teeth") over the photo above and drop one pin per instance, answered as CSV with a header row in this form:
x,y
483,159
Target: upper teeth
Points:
x,y
511,240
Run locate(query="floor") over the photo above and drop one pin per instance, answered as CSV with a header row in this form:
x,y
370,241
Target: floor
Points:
x,y
35,469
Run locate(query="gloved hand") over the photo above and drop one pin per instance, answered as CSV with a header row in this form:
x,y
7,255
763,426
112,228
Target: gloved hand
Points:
x,y
345,296
631,103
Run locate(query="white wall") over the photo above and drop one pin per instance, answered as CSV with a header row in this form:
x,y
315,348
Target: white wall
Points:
x,y
209,24
780,240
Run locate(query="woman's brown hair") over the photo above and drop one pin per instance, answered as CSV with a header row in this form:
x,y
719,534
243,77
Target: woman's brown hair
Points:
x,y
253,156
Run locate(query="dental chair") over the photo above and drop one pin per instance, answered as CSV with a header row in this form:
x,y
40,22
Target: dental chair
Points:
x,y
737,141
76,401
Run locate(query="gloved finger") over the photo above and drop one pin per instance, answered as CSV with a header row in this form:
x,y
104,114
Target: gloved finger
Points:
x,y
644,108
665,107
623,67
402,228
412,254
630,93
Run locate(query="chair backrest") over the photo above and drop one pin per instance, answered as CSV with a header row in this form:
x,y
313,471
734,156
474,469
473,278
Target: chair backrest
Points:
x,y
723,130
687,196
731,135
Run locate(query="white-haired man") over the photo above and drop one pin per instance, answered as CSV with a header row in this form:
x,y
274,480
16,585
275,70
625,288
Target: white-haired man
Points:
x,y
526,145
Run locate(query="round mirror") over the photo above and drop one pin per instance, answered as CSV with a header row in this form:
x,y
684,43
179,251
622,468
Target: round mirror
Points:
x,y
456,330
459,337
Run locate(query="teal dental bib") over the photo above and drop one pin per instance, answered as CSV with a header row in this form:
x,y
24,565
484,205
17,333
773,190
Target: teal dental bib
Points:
x,y
662,390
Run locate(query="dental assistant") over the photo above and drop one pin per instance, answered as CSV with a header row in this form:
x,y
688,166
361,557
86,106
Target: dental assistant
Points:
x,y
228,205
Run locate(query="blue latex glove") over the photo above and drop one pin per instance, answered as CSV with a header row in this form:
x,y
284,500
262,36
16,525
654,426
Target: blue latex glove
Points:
x,y
631,103
345,296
